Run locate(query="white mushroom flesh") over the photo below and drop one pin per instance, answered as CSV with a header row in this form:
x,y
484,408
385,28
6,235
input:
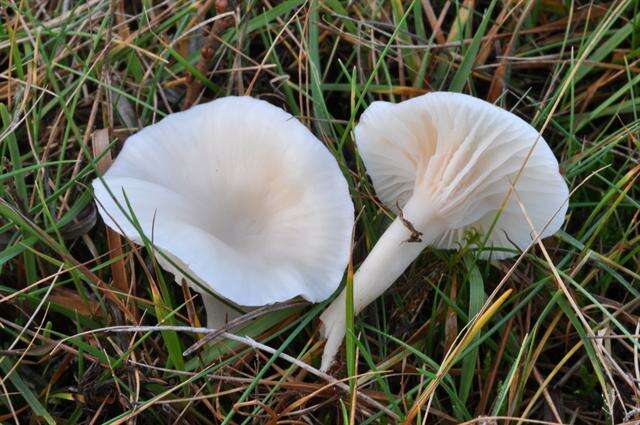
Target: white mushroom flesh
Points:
x,y
241,196
448,161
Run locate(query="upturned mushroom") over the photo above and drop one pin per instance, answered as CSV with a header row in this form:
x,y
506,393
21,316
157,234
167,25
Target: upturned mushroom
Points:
x,y
446,163
239,198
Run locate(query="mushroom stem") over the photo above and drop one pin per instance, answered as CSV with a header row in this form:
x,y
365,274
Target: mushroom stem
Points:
x,y
401,243
218,313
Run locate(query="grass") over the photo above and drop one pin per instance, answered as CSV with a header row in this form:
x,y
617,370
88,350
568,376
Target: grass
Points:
x,y
549,336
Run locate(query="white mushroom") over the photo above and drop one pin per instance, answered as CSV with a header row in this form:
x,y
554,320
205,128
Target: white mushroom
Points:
x,y
241,197
448,161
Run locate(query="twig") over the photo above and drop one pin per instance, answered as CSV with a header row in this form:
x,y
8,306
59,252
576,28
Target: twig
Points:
x,y
211,44
212,335
243,340
415,235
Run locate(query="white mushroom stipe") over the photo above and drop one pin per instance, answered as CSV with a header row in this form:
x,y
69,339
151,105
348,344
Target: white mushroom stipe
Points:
x,y
448,160
241,196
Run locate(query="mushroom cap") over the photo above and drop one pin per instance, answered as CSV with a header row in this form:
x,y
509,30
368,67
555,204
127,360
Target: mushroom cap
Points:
x,y
463,154
240,195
